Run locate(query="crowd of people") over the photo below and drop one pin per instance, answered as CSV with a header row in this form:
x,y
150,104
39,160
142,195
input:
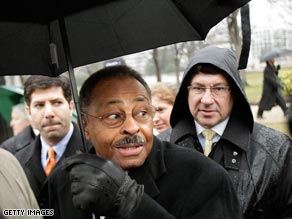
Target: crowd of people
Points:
x,y
154,151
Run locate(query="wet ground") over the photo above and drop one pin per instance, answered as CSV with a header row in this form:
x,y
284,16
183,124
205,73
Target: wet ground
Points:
x,y
275,115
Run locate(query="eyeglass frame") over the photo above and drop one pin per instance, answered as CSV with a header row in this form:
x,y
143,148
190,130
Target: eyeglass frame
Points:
x,y
212,89
122,115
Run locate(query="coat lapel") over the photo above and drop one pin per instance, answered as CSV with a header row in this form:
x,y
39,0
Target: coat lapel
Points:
x,y
151,170
34,164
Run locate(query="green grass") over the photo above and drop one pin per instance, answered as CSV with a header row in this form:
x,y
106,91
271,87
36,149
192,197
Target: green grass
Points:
x,y
254,86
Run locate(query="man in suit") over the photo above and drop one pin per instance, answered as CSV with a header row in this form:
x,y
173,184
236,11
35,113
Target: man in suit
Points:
x,y
133,174
49,105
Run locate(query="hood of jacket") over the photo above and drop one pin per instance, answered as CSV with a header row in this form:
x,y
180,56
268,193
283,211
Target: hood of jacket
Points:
x,y
224,59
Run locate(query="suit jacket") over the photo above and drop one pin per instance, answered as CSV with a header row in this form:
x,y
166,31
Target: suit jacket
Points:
x,y
178,183
20,141
30,159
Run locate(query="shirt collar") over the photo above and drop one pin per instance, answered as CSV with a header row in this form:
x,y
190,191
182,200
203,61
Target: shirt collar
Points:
x,y
60,147
219,128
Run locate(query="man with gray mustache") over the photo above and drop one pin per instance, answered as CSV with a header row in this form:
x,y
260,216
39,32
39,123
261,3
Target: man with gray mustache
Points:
x,y
132,174
128,140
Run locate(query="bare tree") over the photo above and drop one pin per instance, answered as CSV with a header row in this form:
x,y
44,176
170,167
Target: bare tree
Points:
x,y
178,53
234,32
155,57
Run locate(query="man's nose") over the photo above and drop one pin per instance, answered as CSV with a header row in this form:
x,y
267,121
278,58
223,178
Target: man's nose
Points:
x,y
207,97
49,112
130,125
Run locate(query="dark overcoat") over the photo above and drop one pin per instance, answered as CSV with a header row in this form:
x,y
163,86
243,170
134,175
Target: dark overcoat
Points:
x,y
258,158
20,141
270,88
30,159
178,183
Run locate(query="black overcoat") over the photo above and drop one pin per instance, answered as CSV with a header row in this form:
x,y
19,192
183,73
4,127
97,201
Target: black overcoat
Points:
x,y
258,158
270,88
179,183
30,159
20,141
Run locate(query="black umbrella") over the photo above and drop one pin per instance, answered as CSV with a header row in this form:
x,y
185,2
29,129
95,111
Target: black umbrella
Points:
x,y
51,37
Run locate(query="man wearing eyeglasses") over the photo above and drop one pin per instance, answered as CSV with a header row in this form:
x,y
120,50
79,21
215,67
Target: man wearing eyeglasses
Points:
x,y
132,174
211,114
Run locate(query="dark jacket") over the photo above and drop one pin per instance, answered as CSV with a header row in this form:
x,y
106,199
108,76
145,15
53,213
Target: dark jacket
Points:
x,y
257,158
270,88
30,159
20,141
179,183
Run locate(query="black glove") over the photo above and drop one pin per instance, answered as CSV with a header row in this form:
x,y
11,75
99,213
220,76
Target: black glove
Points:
x,y
101,187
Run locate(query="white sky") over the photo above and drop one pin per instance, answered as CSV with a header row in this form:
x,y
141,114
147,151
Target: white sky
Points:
x,y
259,12
275,15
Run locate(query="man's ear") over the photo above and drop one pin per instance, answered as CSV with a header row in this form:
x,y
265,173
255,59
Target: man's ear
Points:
x,y
85,127
27,110
72,105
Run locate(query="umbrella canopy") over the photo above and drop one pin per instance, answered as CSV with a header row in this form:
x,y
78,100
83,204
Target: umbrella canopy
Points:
x,y
31,41
275,54
9,96
52,36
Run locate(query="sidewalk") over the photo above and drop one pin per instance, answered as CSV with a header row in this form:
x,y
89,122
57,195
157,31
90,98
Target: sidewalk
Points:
x,y
275,115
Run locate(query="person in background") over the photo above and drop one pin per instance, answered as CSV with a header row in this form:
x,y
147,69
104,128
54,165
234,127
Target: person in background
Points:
x,y
25,137
163,96
20,141
49,105
19,120
271,93
131,174
212,115
15,191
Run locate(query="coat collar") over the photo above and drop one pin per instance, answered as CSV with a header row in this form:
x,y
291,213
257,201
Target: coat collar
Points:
x,y
236,132
151,170
25,138
34,160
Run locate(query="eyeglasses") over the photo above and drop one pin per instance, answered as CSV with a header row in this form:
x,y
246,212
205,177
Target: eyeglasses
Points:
x,y
216,91
142,114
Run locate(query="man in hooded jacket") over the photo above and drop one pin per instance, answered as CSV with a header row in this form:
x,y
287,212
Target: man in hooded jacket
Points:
x,y
257,158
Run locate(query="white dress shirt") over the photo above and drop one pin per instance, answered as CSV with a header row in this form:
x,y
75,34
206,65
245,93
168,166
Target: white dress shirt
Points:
x,y
219,129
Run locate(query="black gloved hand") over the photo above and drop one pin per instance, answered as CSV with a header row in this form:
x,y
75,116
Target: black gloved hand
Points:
x,y
101,187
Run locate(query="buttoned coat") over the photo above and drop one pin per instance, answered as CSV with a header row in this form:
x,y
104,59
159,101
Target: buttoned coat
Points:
x,y
30,159
257,158
178,183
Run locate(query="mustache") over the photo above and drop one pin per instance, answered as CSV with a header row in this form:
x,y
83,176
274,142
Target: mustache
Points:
x,y
130,140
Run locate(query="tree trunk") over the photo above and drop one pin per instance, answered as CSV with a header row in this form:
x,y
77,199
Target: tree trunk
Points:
x,y
156,64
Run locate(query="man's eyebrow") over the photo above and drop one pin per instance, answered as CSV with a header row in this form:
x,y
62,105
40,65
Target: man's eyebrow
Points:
x,y
141,99
117,101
